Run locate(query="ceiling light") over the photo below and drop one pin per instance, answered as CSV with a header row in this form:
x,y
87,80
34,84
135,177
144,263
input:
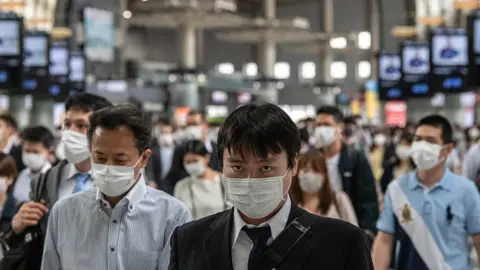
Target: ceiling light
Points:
x,y
127,14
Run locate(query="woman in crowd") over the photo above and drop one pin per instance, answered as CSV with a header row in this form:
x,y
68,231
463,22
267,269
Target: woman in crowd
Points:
x,y
202,191
401,163
8,205
376,154
312,191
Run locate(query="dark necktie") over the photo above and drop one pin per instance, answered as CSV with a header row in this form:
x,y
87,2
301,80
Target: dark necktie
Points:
x,y
259,237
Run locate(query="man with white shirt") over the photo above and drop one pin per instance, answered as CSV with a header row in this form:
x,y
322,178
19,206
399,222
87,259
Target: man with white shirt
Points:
x,y
259,147
348,167
68,176
121,224
38,143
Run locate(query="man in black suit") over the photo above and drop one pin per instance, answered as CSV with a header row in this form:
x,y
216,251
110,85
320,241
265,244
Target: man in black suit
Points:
x,y
196,129
259,147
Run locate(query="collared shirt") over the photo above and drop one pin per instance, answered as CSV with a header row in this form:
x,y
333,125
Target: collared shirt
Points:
x,y
166,158
242,245
456,192
85,233
21,189
334,174
68,181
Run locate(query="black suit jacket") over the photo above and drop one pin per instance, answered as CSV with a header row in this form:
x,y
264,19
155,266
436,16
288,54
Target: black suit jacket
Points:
x,y
332,245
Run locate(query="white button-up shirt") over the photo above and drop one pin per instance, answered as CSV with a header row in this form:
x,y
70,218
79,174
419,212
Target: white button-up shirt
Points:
x,y
242,245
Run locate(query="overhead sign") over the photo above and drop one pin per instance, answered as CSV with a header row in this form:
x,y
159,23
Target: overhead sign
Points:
x,y
35,63
415,68
59,70
473,30
11,51
396,113
99,34
77,71
389,76
449,59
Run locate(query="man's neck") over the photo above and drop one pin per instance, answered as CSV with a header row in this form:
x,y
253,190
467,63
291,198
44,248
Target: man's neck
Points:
x,y
431,177
84,166
333,149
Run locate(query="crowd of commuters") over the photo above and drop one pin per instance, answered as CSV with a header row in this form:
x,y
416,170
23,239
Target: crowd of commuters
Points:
x,y
258,192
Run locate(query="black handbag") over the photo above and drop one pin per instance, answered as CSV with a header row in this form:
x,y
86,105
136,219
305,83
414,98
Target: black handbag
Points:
x,y
24,251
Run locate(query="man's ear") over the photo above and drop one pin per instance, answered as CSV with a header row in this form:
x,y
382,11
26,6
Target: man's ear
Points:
x,y
146,156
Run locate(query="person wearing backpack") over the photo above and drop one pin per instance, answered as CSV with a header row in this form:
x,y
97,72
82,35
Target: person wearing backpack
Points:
x,y
69,176
348,167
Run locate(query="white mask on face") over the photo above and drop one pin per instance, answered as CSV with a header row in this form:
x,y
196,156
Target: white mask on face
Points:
x,y
193,132
425,154
165,140
75,146
255,197
195,169
113,180
403,151
325,136
34,162
310,182
4,184
474,133
380,140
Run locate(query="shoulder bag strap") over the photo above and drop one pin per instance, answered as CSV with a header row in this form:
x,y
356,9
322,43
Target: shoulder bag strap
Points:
x,y
284,243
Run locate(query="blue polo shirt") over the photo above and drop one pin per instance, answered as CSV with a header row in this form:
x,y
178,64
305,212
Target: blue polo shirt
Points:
x,y
431,204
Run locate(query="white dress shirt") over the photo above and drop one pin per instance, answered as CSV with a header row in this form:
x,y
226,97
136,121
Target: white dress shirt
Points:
x,y
67,184
242,245
334,174
21,189
203,197
85,233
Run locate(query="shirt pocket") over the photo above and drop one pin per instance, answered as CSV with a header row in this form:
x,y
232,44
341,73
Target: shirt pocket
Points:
x,y
456,230
139,259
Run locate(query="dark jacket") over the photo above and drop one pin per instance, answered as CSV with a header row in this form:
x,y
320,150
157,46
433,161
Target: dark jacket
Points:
x,y
154,168
359,184
16,154
177,172
332,244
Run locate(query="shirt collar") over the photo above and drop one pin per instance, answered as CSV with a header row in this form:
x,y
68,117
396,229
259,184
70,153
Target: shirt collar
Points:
x,y
72,170
444,183
277,223
133,197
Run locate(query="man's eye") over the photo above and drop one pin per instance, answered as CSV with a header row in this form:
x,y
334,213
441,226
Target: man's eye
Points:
x,y
237,168
266,169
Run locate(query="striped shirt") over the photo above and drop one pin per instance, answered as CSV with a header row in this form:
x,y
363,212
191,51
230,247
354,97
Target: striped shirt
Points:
x,y
85,233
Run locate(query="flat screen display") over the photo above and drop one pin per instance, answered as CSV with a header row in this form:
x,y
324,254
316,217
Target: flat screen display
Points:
x,y
77,68
219,97
449,59
9,37
35,51
390,74
415,68
244,98
99,34
59,61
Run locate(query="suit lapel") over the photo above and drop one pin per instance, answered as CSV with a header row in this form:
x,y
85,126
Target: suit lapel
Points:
x,y
218,246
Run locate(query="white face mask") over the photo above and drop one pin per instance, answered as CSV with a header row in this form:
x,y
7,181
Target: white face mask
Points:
x,y
474,133
380,140
165,140
255,197
75,146
4,184
179,136
194,133
195,169
34,162
403,151
425,155
325,136
113,180
310,182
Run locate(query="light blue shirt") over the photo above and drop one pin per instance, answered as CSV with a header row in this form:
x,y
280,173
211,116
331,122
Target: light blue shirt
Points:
x,y
431,204
68,181
85,233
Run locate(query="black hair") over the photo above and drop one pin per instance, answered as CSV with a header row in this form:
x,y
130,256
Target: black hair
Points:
x,y
304,135
195,147
9,120
195,112
333,111
127,115
440,122
406,136
350,120
86,102
261,129
164,121
39,134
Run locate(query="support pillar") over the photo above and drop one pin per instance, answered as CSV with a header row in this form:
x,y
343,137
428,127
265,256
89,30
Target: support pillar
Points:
x,y
19,109
327,97
267,55
185,91
42,113
421,10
